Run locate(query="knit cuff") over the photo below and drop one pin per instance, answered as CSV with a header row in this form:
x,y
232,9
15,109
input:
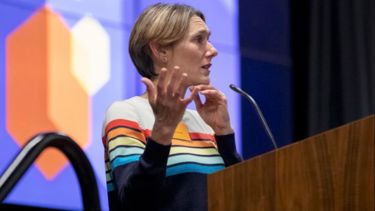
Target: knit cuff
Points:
x,y
226,143
155,152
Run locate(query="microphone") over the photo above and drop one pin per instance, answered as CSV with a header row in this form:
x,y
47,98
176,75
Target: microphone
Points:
x,y
258,111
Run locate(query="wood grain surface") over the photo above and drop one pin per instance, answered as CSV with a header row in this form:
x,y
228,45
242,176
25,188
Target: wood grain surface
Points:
x,y
333,170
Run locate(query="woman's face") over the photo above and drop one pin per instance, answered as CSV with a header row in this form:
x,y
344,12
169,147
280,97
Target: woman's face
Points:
x,y
194,53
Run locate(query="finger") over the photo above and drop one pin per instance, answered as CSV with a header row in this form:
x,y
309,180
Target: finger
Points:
x,y
197,99
162,81
205,87
193,96
182,85
212,93
209,92
174,82
150,89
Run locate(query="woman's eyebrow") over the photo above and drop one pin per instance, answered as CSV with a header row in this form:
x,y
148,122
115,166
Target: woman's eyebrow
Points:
x,y
202,31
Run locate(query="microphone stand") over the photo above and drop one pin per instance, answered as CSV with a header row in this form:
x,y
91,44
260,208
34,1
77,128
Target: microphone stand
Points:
x,y
258,111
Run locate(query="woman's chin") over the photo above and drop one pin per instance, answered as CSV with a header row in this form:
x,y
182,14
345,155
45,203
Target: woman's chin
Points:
x,y
199,81
204,81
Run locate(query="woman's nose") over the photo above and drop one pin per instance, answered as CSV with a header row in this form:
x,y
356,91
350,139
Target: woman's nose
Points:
x,y
211,50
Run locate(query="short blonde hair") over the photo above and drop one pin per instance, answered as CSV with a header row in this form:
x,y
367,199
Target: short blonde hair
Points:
x,y
164,23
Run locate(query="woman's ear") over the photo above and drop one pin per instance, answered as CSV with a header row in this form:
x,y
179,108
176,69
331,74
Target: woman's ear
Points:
x,y
158,52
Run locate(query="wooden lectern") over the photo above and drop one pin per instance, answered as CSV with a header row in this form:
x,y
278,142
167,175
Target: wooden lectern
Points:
x,y
330,171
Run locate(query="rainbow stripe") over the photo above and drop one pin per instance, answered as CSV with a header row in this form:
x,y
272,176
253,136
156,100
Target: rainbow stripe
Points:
x,y
125,142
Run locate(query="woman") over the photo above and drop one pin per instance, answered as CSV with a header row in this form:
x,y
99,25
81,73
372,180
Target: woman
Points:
x,y
158,152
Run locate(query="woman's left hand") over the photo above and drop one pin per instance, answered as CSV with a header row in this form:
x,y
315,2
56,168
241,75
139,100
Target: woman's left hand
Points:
x,y
214,110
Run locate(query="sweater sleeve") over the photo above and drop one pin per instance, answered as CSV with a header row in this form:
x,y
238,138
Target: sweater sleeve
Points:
x,y
227,149
147,173
135,163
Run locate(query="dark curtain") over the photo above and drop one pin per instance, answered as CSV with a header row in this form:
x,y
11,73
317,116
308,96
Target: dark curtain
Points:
x,y
333,45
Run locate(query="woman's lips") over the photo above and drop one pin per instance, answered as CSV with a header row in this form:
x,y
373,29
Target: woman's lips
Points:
x,y
207,66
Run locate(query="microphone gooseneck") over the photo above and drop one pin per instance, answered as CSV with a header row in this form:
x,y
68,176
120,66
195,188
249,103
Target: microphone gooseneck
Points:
x,y
258,111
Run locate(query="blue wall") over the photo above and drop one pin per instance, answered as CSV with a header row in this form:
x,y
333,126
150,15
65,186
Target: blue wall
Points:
x,y
266,73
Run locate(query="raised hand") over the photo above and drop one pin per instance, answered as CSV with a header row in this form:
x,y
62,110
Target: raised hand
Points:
x,y
214,110
166,98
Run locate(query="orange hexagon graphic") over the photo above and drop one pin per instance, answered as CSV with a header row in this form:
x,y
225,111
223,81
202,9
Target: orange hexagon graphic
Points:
x,y
41,92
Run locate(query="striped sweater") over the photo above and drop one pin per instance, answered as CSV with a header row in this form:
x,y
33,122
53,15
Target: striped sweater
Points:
x,y
144,175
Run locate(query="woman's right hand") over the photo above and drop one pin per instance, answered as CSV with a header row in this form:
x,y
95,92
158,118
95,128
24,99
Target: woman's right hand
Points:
x,y
167,101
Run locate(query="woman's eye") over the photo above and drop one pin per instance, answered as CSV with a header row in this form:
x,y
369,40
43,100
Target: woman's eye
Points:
x,y
199,39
